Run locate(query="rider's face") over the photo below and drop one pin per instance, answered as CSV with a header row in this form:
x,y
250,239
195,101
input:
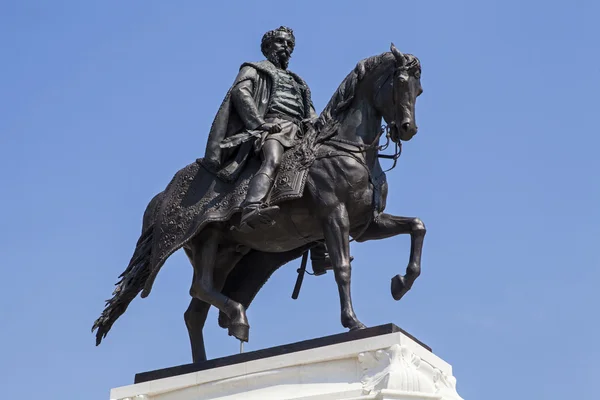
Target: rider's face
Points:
x,y
282,45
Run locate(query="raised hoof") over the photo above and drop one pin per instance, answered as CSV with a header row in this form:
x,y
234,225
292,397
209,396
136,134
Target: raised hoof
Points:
x,y
239,331
399,287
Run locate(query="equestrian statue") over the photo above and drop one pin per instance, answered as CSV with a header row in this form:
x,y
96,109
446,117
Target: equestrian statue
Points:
x,y
277,183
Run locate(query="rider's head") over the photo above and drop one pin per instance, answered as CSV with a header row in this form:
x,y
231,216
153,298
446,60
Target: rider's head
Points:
x,y
277,45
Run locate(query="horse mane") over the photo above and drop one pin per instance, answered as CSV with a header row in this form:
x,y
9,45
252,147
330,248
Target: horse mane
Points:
x,y
344,95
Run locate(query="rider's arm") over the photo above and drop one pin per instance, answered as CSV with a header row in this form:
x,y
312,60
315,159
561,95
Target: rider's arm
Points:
x,y
243,100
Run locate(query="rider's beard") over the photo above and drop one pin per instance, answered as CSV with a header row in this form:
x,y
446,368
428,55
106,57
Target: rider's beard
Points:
x,y
279,59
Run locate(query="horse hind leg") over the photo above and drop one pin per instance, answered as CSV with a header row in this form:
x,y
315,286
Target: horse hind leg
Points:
x,y
195,318
387,225
229,260
197,312
204,250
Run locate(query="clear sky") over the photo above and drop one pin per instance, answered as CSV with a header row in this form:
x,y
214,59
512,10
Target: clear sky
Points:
x,y
102,102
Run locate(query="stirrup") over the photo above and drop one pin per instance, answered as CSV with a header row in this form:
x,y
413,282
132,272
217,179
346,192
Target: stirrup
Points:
x,y
257,216
320,266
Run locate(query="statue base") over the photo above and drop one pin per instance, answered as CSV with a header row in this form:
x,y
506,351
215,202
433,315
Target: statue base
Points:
x,y
382,362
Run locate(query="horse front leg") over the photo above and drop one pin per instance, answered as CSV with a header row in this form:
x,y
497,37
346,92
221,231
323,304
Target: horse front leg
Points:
x,y
387,225
336,229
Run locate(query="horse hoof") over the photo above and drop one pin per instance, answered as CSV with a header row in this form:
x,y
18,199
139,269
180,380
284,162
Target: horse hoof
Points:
x,y
352,323
399,287
224,320
239,331
358,327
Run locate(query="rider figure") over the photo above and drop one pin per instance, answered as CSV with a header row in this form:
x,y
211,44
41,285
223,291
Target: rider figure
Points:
x,y
281,123
267,104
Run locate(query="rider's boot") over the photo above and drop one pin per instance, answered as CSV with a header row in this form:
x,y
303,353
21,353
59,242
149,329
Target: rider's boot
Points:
x,y
319,258
255,214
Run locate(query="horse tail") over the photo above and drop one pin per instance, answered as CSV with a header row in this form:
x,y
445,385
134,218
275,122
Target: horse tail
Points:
x,y
133,279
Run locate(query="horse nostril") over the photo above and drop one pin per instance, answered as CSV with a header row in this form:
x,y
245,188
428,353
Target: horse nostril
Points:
x,y
406,126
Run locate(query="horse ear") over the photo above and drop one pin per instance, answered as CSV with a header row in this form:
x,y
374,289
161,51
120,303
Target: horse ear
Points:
x,y
400,59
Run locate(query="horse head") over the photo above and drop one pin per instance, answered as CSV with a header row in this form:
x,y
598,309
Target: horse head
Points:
x,y
397,96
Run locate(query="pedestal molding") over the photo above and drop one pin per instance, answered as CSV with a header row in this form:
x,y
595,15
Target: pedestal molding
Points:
x,y
388,366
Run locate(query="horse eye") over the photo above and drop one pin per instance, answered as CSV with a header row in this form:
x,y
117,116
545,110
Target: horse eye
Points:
x,y
418,75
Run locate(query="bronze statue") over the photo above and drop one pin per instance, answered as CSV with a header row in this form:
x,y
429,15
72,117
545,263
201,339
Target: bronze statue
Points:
x,y
239,216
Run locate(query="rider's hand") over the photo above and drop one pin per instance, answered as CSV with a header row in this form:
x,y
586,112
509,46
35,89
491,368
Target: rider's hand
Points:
x,y
271,127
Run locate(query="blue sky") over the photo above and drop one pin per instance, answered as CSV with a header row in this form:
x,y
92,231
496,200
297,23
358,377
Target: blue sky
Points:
x,y
102,102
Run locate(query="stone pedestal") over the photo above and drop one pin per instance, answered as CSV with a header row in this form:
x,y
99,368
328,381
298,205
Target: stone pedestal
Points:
x,y
383,362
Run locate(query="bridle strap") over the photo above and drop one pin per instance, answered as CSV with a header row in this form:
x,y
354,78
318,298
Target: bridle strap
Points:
x,y
363,148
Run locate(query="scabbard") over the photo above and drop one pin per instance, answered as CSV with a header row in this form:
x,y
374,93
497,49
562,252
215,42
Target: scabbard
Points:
x,y
240,138
301,272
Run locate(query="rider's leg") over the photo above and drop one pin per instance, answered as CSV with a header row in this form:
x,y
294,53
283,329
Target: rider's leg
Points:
x,y
253,214
258,189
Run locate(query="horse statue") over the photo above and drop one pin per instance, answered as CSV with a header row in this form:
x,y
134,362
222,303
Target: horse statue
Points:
x,y
330,187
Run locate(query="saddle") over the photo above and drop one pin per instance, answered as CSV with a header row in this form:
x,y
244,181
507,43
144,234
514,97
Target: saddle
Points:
x,y
291,177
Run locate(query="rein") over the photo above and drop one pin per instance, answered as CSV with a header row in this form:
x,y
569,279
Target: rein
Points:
x,y
363,148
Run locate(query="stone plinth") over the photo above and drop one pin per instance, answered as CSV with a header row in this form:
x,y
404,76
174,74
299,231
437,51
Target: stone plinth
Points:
x,y
383,362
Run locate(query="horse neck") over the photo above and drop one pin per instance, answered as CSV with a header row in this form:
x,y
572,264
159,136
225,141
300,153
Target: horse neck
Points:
x,y
361,125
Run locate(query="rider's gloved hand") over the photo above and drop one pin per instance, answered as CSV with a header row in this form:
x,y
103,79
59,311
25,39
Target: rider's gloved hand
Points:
x,y
271,127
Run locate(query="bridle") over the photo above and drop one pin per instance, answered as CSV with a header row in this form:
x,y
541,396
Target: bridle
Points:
x,y
363,148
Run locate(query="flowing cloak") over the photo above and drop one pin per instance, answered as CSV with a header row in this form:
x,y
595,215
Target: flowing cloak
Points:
x,y
234,118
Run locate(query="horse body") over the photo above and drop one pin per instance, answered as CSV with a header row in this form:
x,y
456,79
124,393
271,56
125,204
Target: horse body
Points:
x,y
338,202
331,183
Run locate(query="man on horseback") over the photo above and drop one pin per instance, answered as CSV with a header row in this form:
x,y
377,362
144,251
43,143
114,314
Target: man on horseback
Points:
x,y
263,113
343,195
